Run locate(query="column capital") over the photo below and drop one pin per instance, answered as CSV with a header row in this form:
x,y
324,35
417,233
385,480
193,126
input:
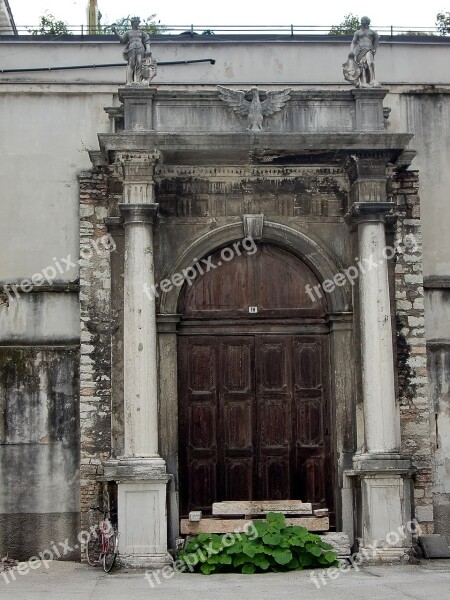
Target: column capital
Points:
x,y
362,212
367,164
137,164
139,213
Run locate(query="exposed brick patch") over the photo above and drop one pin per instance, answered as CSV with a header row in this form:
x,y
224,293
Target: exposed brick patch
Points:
x,y
95,356
411,345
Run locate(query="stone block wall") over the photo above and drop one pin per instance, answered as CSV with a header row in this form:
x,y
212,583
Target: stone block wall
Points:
x,y
95,351
411,345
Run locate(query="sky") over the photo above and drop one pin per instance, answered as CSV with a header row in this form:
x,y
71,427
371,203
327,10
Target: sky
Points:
x,y
407,13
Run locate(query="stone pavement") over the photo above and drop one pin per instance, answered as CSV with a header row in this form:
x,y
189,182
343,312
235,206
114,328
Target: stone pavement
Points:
x,y
74,581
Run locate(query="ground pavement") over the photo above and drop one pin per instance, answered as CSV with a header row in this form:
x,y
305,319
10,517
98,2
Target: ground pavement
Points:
x,y
430,580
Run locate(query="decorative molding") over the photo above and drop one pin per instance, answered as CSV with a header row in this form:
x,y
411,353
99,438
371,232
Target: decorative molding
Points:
x,y
98,158
436,282
167,323
368,211
115,225
405,159
56,287
139,213
253,226
248,171
255,110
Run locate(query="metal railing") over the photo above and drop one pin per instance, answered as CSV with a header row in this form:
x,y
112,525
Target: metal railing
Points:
x,y
210,30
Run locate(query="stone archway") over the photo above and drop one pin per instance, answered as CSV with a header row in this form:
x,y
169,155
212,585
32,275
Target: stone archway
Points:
x,y
339,320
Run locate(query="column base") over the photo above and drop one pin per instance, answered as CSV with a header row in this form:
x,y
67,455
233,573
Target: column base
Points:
x,y
142,511
380,556
142,522
383,496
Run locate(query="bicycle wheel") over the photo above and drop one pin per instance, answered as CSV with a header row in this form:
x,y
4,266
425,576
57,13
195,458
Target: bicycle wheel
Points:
x,y
93,549
109,557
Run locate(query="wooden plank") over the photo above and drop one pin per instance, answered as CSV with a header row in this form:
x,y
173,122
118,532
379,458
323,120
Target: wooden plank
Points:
x,y
262,507
236,525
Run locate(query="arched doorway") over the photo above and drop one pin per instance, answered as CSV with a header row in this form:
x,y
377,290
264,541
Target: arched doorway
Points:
x,y
254,413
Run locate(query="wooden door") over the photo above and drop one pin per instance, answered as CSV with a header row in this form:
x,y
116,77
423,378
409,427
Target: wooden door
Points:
x,y
253,419
253,391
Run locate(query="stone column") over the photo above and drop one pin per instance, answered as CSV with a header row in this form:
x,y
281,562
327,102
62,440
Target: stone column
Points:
x,y
381,414
380,469
141,472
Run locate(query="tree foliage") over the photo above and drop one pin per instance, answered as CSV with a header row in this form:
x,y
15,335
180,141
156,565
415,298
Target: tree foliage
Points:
x,y
443,22
48,25
150,25
348,26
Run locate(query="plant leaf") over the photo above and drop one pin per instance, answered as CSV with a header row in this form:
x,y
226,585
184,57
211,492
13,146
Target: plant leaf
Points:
x,y
282,557
276,519
272,539
248,569
207,569
314,549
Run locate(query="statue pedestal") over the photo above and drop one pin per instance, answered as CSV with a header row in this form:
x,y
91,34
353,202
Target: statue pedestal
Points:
x,y
138,107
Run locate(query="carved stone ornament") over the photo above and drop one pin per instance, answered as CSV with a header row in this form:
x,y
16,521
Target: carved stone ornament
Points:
x,y
352,71
254,109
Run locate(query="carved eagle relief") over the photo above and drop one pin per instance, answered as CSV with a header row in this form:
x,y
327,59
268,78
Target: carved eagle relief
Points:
x,y
254,110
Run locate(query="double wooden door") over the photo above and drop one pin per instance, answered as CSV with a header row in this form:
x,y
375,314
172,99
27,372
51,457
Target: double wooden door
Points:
x,y
253,419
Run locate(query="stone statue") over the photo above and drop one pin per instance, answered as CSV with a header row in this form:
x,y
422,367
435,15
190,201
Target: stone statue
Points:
x,y
360,66
141,67
254,110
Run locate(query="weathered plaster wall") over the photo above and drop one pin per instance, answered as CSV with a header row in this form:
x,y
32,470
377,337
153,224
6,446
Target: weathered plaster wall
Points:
x,y
39,449
305,60
437,325
44,143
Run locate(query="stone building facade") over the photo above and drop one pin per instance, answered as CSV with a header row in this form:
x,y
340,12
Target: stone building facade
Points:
x,y
246,319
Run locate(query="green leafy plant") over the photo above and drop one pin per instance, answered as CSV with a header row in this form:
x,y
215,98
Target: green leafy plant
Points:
x,y
48,25
272,546
122,25
443,22
349,25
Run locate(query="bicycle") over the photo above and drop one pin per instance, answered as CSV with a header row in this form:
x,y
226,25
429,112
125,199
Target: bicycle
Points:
x,y
102,547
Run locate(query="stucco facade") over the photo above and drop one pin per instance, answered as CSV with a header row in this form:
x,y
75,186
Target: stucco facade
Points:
x,y
99,204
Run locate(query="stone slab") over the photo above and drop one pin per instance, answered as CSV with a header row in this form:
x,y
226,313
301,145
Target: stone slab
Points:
x,y
434,546
254,507
340,542
230,525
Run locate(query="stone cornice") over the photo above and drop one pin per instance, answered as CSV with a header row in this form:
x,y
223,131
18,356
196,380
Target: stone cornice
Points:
x,y
245,147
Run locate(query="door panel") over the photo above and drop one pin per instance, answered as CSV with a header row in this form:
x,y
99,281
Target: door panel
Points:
x,y
310,444
198,420
273,428
236,416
